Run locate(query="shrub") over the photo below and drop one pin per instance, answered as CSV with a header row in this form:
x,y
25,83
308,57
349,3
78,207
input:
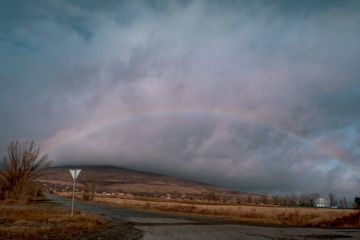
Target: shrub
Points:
x,y
20,167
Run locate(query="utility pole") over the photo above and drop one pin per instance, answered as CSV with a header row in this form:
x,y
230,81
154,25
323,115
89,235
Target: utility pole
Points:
x,y
74,173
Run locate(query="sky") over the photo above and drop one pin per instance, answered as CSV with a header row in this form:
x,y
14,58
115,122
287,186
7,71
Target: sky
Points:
x,y
257,96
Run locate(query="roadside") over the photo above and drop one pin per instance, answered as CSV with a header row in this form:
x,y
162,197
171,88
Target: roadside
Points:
x,y
46,221
139,224
124,221
250,214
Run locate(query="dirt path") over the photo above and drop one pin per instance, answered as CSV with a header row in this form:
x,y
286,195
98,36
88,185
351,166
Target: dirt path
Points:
x,y
137,224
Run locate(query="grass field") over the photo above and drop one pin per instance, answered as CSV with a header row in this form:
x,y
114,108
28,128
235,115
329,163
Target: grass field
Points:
x,y
34,222
324,217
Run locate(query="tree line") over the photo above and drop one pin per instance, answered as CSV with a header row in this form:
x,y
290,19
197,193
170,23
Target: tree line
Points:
x,y
300,200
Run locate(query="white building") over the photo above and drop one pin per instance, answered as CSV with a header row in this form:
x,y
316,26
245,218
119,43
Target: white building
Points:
x,y
322,202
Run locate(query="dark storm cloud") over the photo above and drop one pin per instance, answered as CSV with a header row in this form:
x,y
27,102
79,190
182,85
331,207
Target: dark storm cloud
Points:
x,y
283,76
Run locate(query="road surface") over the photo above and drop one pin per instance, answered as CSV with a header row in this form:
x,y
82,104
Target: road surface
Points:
x,y
138,224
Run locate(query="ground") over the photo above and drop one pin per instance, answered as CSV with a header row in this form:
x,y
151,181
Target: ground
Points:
x,y
140,224
46,221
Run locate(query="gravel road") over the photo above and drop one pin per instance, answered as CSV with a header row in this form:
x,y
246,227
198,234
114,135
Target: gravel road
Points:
x,y
139,224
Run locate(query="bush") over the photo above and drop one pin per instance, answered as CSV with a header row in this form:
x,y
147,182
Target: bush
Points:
x,y
20,167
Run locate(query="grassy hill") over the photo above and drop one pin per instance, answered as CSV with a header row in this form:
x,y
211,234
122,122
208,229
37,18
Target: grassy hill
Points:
x,y
111,179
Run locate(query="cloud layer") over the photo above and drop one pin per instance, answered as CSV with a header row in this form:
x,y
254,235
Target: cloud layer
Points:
x,y
254,95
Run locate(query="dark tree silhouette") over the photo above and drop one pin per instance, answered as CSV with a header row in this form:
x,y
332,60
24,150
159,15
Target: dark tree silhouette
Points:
x,y
357,203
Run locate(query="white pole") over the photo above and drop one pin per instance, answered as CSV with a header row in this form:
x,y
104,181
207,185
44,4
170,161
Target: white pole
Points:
x,y
74,173
73,196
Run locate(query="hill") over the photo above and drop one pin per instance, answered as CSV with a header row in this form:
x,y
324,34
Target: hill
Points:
x,y
117,180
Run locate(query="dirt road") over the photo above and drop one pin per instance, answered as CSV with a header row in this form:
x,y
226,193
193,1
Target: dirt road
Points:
x,y
138,224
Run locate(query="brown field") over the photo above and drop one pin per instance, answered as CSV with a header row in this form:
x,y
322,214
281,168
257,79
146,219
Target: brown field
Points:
x,y
276,215
34,222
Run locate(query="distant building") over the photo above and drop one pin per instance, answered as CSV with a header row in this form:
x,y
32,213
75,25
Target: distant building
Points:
x,y
322,202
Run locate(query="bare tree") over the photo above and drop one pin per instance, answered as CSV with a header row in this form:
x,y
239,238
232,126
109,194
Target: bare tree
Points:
x,y
343,202
20,167
312,198
332,199
264,199
357,203
276,200
345,205
90,190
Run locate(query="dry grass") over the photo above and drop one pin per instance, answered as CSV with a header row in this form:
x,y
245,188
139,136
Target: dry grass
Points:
x,y
25,202
33,223
253,214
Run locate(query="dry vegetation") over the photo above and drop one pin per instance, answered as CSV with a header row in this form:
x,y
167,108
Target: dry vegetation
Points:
x,y
20,167
34,223
323,217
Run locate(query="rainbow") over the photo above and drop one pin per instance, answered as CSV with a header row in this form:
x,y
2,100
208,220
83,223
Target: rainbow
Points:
x,y
67,136
70,135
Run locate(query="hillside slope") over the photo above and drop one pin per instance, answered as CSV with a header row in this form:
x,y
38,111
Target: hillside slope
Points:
x,y
111,179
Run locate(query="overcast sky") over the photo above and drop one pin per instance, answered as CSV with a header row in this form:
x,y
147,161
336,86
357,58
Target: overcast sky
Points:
x,y
260,96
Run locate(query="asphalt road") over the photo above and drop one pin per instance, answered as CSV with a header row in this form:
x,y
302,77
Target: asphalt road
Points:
x,y
139,224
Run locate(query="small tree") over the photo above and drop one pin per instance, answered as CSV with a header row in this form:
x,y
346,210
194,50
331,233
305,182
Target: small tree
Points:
x,y
20,167
89,190
264,199
345,205
343,202
312,198
357,203
332,199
